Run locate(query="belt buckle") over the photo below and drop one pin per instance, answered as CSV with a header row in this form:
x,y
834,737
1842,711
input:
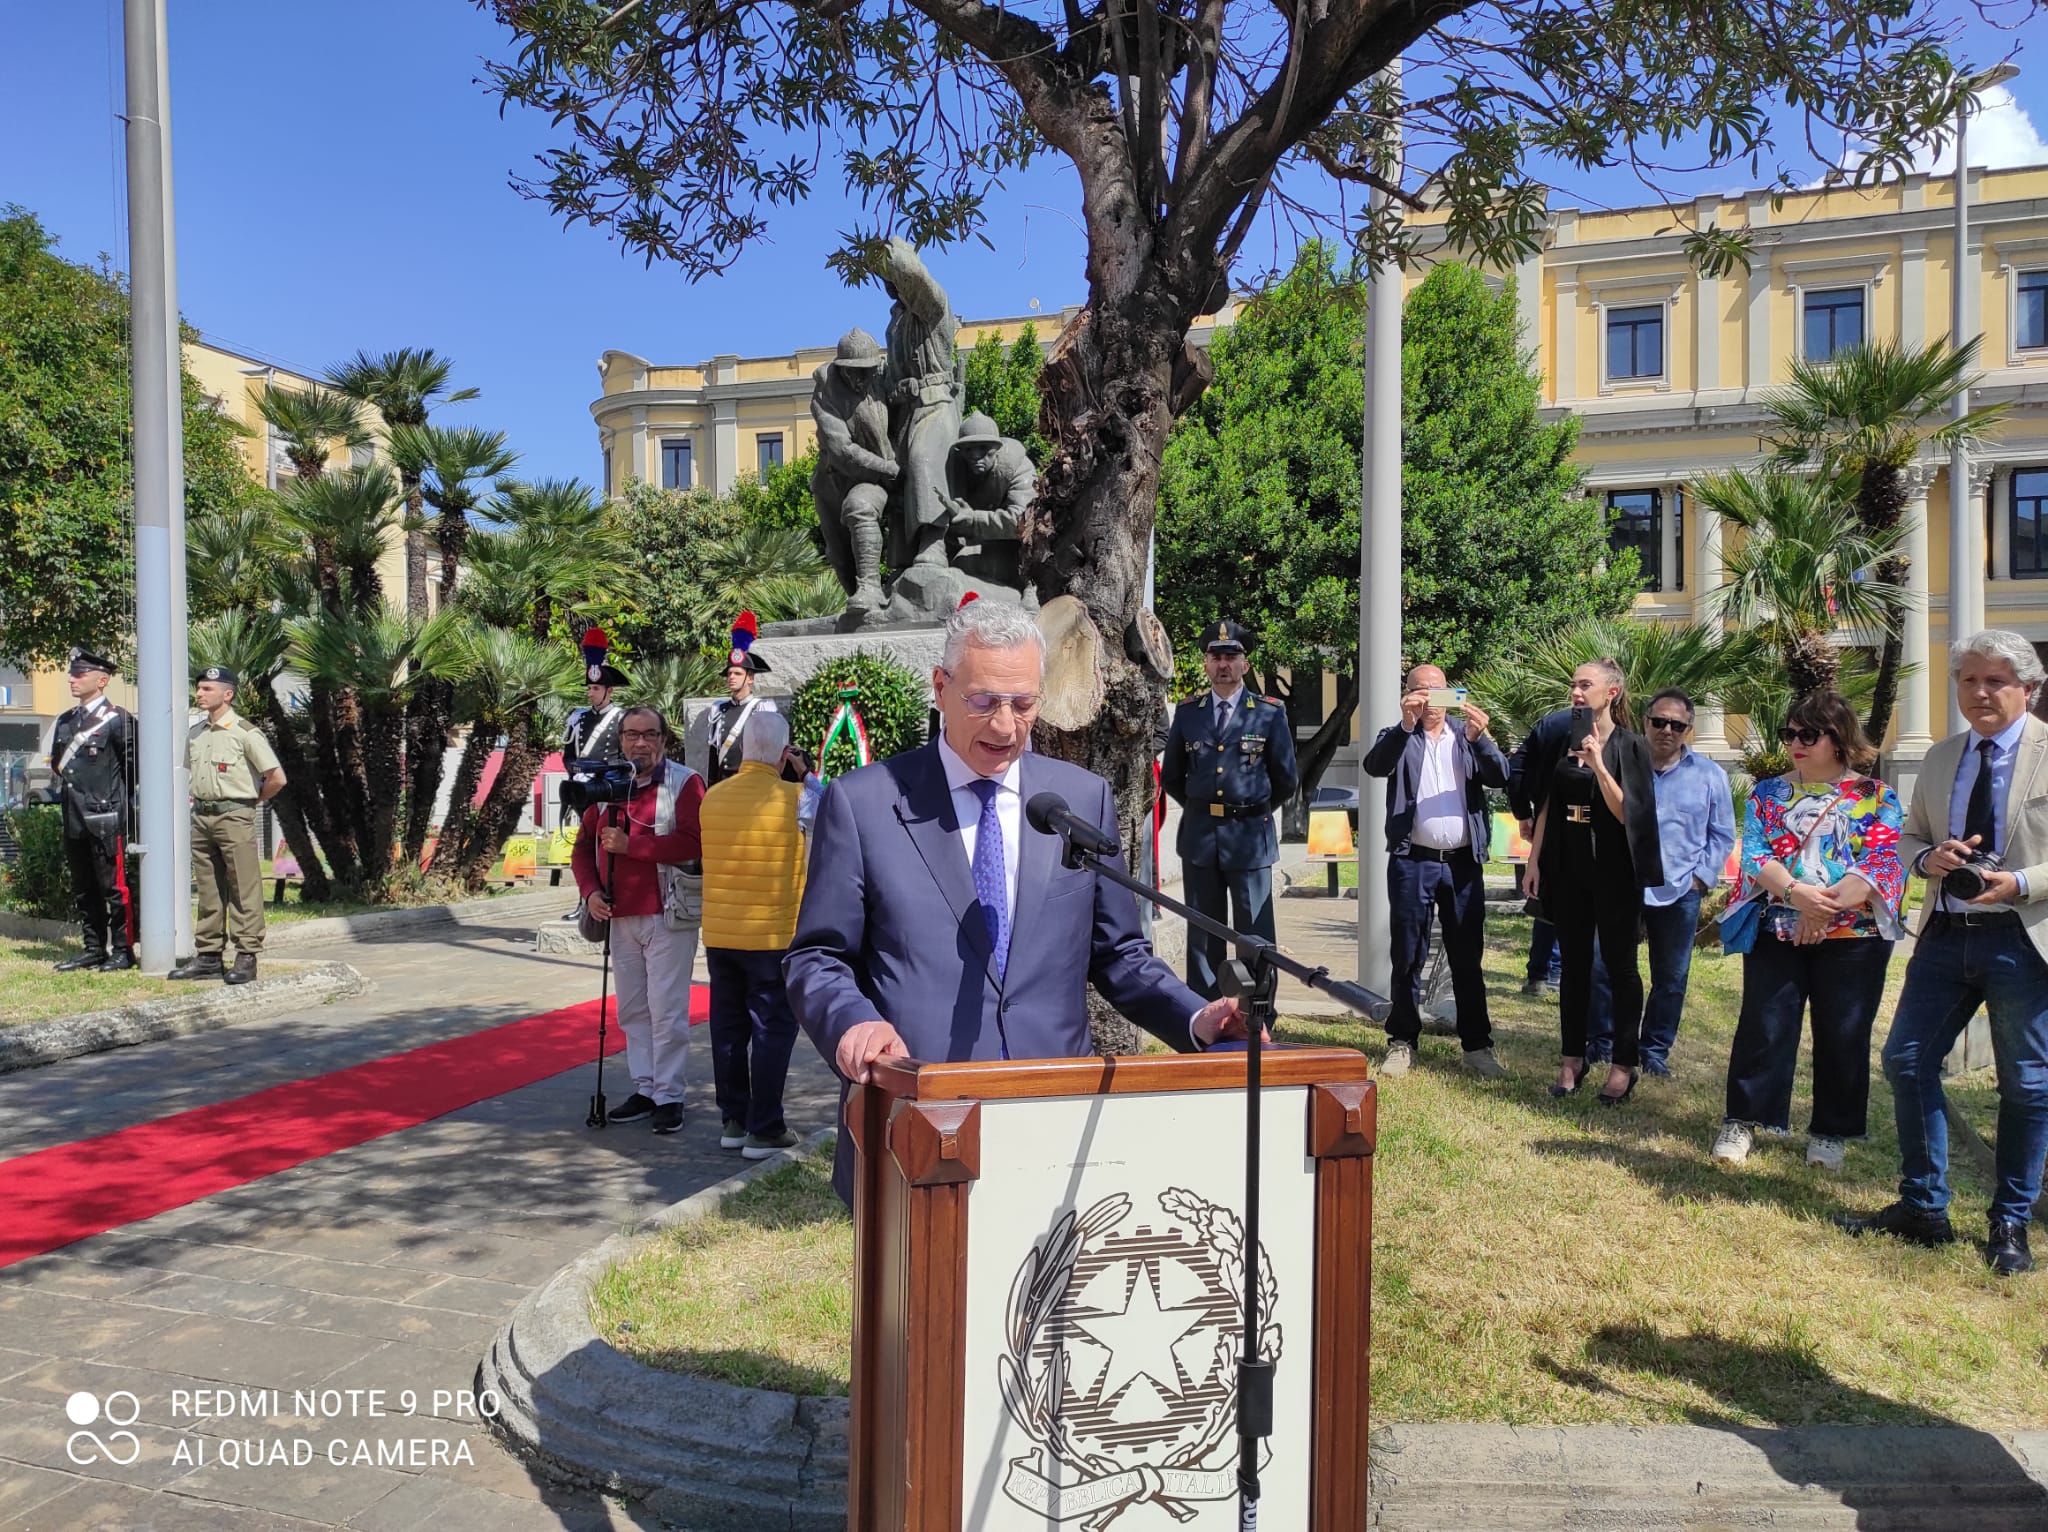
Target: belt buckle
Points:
x,y
1216,811
1578,813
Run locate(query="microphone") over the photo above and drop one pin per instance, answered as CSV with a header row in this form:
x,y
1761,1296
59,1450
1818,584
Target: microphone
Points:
x,y
1049,815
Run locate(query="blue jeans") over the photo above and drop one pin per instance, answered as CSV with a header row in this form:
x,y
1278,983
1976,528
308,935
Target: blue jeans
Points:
x,y
1546,963
753,1033
1840,984
1954,969
1668,931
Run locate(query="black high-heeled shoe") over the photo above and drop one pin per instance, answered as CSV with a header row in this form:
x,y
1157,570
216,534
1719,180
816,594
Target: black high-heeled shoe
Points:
x,y
1604,1099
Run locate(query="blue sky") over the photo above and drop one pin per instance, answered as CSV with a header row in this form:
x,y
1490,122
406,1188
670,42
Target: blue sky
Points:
x,y
342,183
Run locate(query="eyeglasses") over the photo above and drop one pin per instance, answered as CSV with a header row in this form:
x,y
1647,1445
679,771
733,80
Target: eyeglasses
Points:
x,y
639,734
1023,706
1675,725
1806,737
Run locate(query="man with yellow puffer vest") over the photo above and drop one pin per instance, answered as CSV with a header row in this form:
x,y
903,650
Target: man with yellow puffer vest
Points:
x,y
753,884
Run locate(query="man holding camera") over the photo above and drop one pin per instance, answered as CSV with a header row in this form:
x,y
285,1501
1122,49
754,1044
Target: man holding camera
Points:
x,y
630,865
92,754
1978,831
1439,830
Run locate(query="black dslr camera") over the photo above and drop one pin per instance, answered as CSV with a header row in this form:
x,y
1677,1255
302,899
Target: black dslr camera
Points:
x,y
593,782
1969,880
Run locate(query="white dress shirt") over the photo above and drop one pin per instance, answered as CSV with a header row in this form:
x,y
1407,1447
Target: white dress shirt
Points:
x,y
2005,746
1439,795
960,777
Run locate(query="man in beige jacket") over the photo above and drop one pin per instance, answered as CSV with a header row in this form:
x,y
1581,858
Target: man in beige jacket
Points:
x,y
1983,940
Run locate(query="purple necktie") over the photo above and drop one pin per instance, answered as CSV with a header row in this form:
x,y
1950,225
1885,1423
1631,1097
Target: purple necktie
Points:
x,y
989,879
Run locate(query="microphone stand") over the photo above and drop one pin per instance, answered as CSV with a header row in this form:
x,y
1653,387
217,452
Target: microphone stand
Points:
x,y
1253,978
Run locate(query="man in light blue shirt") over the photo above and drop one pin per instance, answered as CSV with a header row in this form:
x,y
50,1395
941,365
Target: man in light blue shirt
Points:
x,y
1696,824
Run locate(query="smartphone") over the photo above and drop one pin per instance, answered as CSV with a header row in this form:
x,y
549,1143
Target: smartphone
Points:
x,y
1581,725
1447,696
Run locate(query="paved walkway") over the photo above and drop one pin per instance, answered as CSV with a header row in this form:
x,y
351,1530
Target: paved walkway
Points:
x,y
387,1267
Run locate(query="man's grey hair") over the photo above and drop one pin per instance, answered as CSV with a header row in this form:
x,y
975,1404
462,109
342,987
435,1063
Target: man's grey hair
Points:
x,y
1999,644
990,624
764,736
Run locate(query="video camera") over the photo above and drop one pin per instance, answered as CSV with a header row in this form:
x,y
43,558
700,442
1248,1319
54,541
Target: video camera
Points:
x,y
596,781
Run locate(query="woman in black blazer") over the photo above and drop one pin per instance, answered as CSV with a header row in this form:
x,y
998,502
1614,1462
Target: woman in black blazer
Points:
x,y
1594,851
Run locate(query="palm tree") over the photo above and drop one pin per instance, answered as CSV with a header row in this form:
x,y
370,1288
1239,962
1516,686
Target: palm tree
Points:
x,y
342,523
310,423
450,466
1804,568
511,688
1865,413
670,682
1531,679
774,572
402,387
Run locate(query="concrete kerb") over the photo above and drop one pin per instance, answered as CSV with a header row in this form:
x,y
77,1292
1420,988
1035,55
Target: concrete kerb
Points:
x,y
35,1043
285,935
693,1451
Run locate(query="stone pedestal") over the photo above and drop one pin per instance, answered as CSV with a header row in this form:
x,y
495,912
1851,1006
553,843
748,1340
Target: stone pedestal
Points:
x,y
798,649
563,938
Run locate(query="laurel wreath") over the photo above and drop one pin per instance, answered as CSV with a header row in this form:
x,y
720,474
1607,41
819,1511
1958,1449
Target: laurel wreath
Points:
x,y
1033,1396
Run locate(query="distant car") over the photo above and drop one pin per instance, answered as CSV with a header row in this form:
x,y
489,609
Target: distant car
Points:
x,y
1329,797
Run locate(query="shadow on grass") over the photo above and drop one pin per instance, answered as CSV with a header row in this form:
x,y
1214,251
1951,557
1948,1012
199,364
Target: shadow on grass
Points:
x,y
1818,1430
1691,1177
746,1369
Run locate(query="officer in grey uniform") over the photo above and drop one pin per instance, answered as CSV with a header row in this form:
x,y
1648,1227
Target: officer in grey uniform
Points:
x,y
233,771
1229,764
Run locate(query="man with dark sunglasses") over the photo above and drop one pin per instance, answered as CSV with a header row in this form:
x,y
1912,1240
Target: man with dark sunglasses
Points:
x,y
1696,825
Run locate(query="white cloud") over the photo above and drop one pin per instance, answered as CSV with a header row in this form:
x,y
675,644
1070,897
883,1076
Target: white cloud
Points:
x,y
2002,136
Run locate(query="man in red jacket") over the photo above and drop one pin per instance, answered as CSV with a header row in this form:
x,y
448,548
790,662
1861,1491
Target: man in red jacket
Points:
x,y
628,865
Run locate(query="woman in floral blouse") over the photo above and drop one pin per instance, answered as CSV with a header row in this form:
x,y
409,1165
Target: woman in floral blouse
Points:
x,y
1822,879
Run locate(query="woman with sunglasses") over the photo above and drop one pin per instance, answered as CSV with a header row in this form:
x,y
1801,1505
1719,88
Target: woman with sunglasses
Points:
x,y
1595,849
1820,862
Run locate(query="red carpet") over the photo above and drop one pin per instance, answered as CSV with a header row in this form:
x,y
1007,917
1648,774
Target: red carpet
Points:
x,y
55,1196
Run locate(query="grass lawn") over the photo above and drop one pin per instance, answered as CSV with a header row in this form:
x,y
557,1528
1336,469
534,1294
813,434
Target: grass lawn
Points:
x,y
30,991
1536,1261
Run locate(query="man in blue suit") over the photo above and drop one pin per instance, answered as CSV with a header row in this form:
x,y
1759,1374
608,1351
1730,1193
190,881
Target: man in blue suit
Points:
x,y
937,924
1438,833
1229,764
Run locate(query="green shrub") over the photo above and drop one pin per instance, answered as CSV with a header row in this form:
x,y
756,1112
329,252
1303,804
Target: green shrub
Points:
x,y
39,881
893,701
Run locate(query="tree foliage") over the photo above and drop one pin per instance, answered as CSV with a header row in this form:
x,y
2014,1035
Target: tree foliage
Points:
x,y
1002,382
1259,502
1497,535
781,497
66,445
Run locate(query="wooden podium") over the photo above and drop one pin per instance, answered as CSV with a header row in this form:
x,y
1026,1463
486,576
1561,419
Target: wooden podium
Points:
x,y
1047,1292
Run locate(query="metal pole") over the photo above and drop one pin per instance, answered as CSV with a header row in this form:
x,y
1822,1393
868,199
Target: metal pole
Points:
x,y
1379,600
159,494
1965,555
181,664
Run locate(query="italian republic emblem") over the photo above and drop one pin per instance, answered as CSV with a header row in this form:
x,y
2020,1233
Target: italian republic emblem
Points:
x,y
1121,1363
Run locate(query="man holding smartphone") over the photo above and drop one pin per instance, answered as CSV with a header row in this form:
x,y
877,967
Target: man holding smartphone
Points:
x,y
1438,833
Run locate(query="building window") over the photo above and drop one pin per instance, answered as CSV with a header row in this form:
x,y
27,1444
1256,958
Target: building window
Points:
x,y
1635,342
2030,321
768,451
608,489
675,463
2030,523
1636,520
1834,322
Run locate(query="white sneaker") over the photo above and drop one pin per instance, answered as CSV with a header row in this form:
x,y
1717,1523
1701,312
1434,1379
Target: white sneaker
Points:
x,y
1399,1060
1731,1144
1828,1153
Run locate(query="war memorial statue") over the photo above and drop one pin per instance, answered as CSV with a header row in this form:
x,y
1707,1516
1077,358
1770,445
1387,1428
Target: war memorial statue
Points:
x,y
902,482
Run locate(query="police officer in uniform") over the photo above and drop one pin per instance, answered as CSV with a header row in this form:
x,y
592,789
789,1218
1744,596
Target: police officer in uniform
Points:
x,y
92,754
1229,764
592,733
731,715
233,771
